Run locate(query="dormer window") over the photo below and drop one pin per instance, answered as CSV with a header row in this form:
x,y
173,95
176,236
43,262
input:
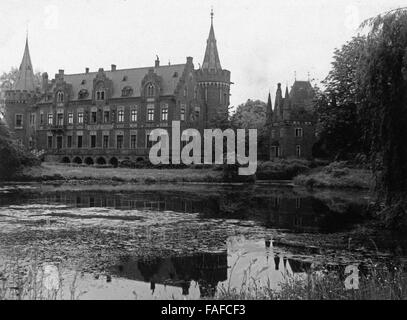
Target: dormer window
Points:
x,y
124,78
100,94
127,91
83,82
83,94
175,75
150,90
60,96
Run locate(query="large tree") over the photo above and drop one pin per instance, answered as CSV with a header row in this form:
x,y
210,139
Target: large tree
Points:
x,y
338,128
382,75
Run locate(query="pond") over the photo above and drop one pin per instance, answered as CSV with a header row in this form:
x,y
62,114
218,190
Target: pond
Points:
x,y
182,241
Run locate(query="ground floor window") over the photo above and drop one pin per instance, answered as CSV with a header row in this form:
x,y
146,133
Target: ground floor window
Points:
x,y
49,142
298,151
119,141
105,142
69,142
59,142
275,151
133,141
80,142
93,141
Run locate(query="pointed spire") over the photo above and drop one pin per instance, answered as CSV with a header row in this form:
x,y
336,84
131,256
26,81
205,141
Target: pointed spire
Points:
x,y
269,110
286,93
211,59
25,77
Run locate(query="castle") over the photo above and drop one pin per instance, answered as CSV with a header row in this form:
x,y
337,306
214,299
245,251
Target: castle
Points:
x,y
106,116
292,123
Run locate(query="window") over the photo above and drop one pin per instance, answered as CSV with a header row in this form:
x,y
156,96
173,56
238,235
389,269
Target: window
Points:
x,y
185,91
80,117
60,96
298,132
70,118
133,115
60,119
164,114
105,141
32,119
80,142
100,94
150,90
93,116
127,91
69,142
149,143
119,141
120,116
83,93
150,113
93,141
182,115
50,119
106,116
59,142
273,134
49,142
133,141
298,151
19,121
42,118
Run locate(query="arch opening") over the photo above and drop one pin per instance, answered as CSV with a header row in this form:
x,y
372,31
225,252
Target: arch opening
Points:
x,y
77,160
89,161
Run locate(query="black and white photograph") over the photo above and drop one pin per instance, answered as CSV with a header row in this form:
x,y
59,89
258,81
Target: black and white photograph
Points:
x,y
205,151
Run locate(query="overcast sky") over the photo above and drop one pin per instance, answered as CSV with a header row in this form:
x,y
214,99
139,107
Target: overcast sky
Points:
x,y
261,42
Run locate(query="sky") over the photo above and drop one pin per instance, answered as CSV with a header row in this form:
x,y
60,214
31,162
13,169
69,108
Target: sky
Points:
x,y
262,42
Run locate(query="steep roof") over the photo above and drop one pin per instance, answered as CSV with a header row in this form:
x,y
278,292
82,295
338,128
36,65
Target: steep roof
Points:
x,y
211,59
132,78
301,92
25,76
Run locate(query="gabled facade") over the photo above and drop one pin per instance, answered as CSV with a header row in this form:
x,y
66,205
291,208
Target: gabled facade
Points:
x,y
292,122
106,116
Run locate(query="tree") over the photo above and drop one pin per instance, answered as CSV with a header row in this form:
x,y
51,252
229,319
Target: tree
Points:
x,y
338,125
382,77
252,115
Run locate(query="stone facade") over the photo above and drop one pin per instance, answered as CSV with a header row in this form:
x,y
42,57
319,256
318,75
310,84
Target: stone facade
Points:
x,y
106,116
292,122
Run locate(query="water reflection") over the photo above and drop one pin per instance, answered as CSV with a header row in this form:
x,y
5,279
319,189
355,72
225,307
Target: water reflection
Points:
x,y
285,208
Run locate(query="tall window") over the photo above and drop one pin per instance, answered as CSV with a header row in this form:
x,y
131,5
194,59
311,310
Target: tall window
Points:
x,y
49,142
150,90
182,114
93,116
298,151
106,116
100,94
93,141
32,119
149,143
59,142
164,113
120,116
19,121
42,118
80,142
133,141
69,142
298,132
105,141
119,141
50,119
150,113
60,119
80,117
185,91
70,118
133,115
60,96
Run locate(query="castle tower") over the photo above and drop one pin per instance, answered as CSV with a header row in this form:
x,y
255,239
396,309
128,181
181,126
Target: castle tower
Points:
x,y
278,104
214,83
19,99
286,105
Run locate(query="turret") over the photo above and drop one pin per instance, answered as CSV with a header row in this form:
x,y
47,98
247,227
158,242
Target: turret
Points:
x,y
278,112
286,105
214,82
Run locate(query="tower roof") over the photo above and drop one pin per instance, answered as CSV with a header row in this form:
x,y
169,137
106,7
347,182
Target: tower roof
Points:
x,y
211,59
25,76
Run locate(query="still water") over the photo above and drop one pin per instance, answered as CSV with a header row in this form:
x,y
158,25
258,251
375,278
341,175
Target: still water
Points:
x,y
174,241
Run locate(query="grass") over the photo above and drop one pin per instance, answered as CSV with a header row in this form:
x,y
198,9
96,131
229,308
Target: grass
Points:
x,y
49,171
380,284
282,169
336,175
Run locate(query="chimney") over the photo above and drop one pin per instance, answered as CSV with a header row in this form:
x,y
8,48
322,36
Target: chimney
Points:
x,y
44,82
87,70
189,60
61,72
157,62
113,67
